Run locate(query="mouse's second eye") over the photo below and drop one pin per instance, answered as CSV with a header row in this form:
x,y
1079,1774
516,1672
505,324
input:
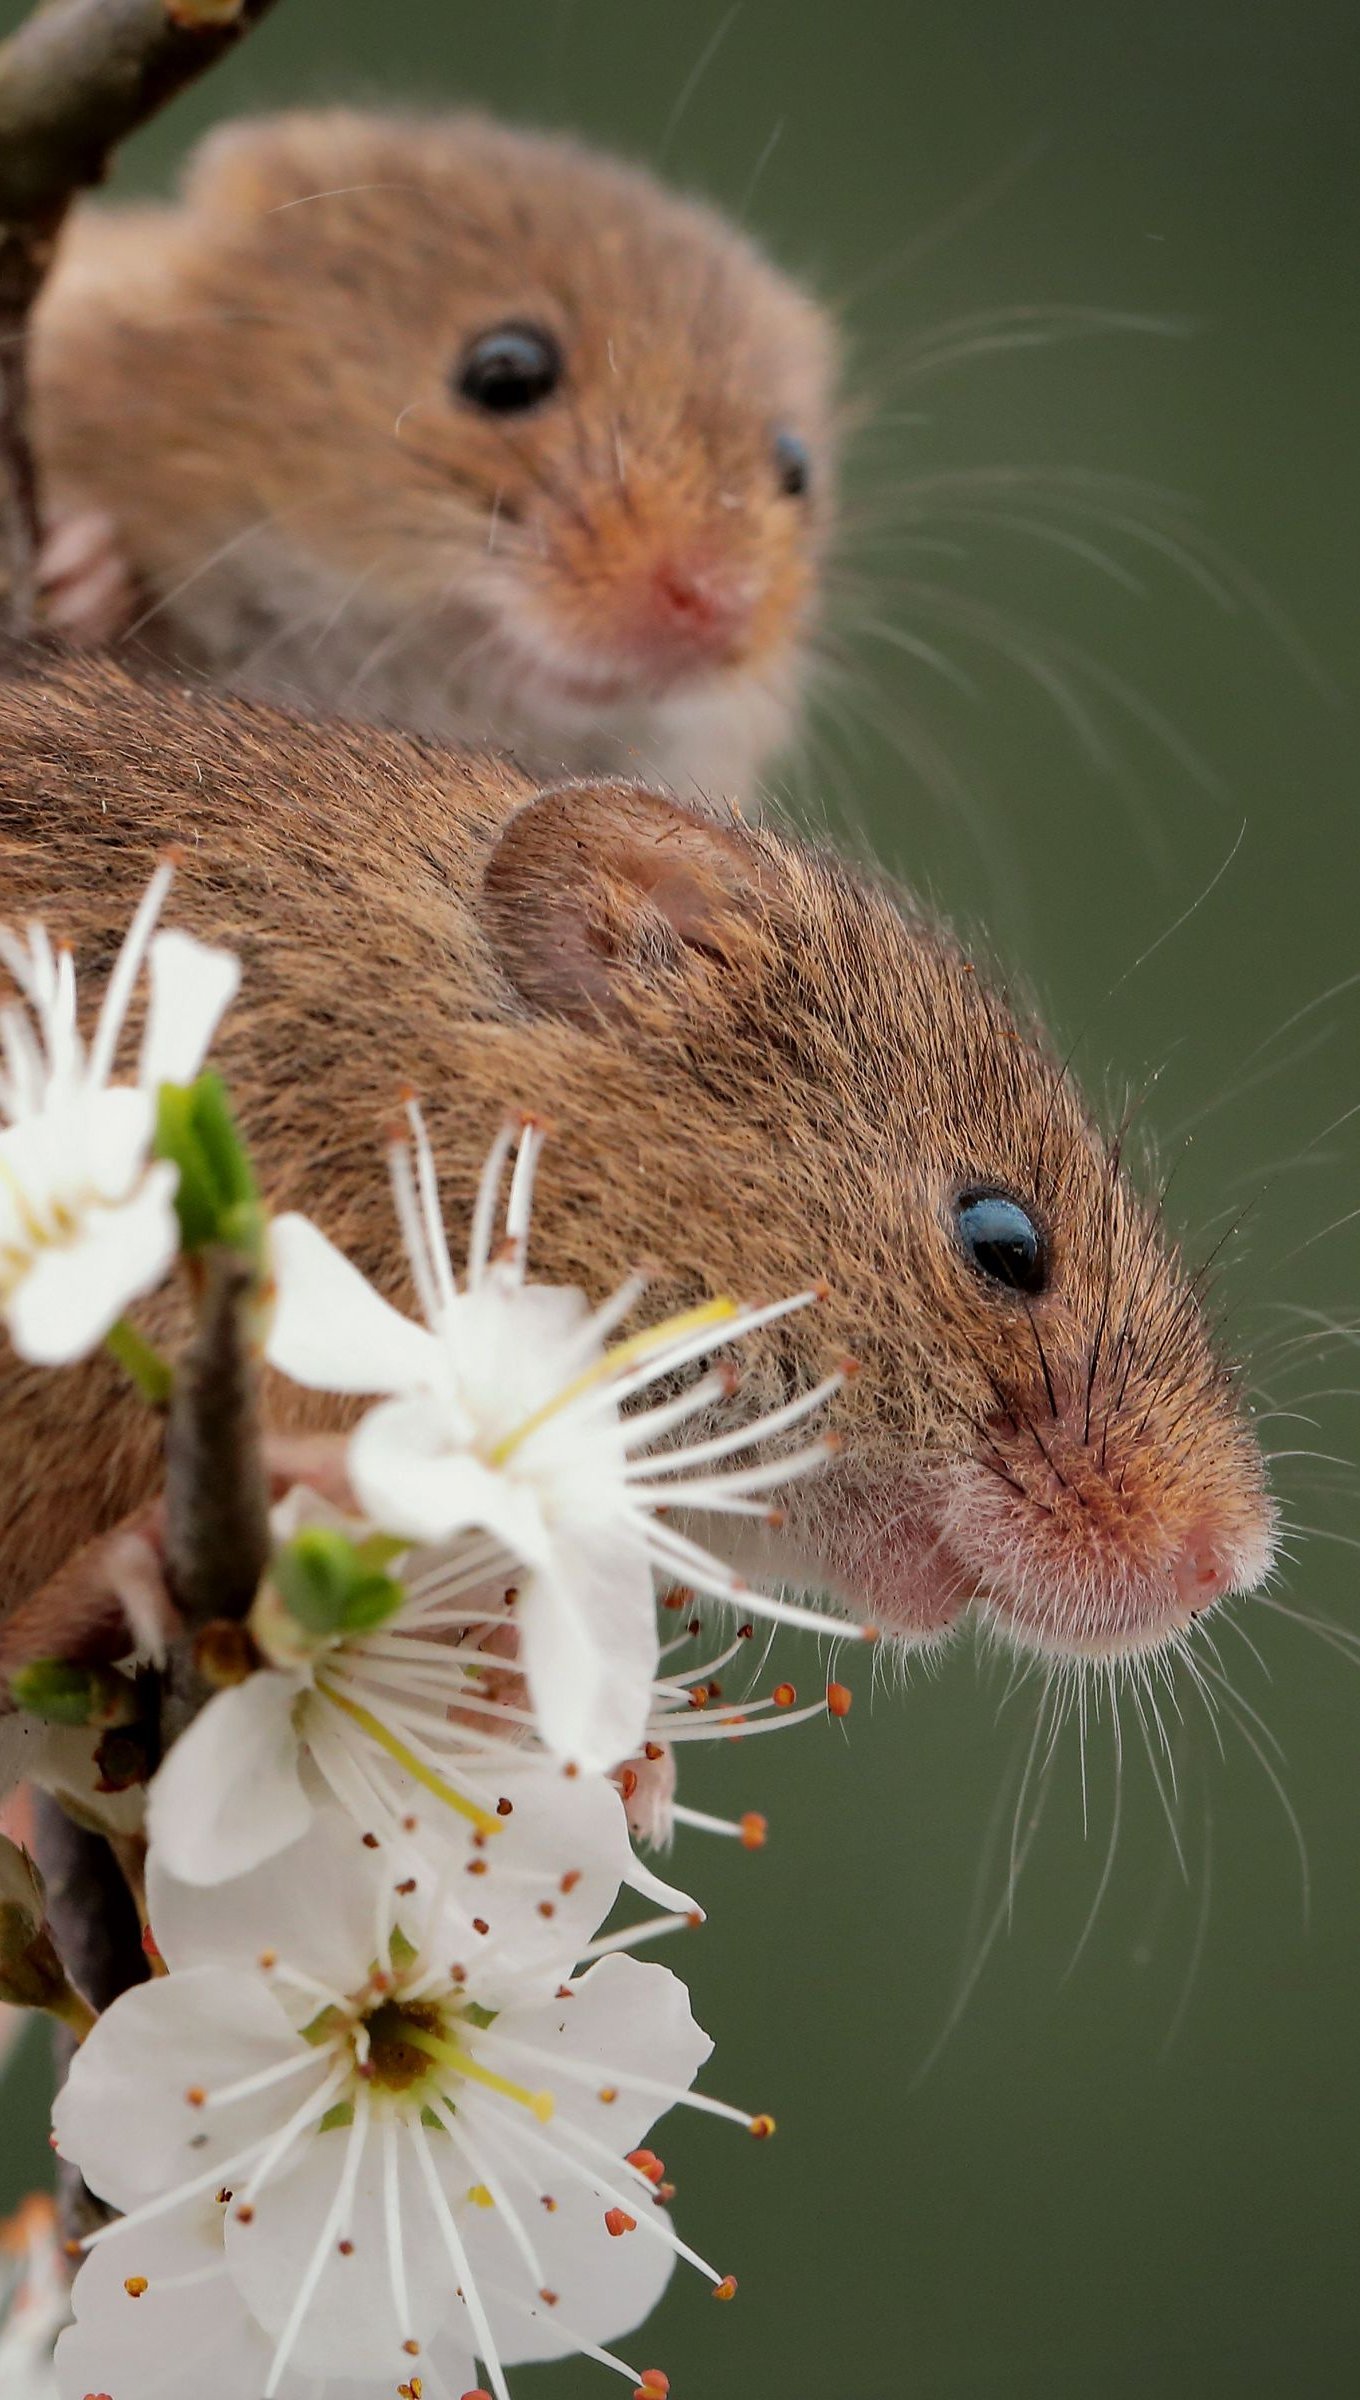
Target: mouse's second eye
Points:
x,y
792,464
510,369
1001,1239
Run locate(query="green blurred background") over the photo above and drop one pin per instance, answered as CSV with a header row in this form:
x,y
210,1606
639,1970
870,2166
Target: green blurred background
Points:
x,y
1134,2172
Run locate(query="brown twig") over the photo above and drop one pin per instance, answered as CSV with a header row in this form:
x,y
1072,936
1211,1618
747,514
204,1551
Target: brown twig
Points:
x,y
216,1492
76,79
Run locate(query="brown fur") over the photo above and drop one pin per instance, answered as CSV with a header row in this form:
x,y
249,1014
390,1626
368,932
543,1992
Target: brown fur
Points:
x,y
758,1069
254,386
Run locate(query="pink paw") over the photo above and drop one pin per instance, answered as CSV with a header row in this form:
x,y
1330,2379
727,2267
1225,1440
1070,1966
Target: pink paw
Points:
x,y
86,590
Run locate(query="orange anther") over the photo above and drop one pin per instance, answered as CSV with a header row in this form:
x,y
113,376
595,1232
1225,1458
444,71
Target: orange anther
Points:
x,y
549,2299
547,1908
570,1880
505,1808
784,1695
754,1830
618,2221
647,2163
411,2348
245,2214
839,1698
762,2128
609,2094
195,2095
654,2385
727,2289
134,2286
628,1781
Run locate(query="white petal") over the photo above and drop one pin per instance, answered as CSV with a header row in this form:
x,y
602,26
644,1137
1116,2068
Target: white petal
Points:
x,y
61,1758
628,2015
560,1833
124,2116
191,987
588,1646
229,1794
313,1904
179,2335
352,2325
410,1480
649,1885
330,1329
71,1296
605,2286
22,1743
119,1123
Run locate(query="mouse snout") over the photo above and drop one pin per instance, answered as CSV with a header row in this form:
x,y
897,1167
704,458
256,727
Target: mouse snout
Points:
x,y
1102,1523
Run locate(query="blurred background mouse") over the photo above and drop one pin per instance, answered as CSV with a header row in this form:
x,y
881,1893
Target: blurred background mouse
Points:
x,y
431,420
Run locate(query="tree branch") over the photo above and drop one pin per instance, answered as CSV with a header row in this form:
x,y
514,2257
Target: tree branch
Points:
x,y
75,80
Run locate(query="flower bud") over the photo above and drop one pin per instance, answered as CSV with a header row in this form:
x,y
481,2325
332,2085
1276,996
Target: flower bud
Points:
x,y
217,1200
327,1586
31,1974
63,1694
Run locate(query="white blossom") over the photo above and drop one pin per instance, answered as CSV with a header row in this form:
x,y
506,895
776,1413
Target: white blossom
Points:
x,y
424,1713
61,1759
506,1413
87,1220
34,2301
360,2142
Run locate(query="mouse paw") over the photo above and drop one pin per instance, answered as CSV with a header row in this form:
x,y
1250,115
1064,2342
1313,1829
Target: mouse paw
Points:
x,y
86,592
647,1784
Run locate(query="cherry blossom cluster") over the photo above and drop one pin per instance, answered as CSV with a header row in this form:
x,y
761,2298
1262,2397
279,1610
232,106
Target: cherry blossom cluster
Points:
x,y
377,2122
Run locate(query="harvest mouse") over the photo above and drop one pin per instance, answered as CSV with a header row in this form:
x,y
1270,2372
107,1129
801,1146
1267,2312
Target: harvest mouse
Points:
x,y
430,420
758,1067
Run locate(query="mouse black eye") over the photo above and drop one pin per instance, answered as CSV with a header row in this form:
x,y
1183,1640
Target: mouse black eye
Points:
x,y
792,464
510,369
1001,1239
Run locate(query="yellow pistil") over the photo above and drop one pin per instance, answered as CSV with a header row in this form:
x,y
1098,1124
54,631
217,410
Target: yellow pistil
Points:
x,y
396,1749
452,2054
623,1354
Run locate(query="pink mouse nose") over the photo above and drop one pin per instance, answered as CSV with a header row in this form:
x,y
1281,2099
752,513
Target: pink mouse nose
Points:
x,y
691,609
1203,1572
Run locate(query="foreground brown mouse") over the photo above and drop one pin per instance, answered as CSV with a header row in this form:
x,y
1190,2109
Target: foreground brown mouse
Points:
x,y
432,420
758,1067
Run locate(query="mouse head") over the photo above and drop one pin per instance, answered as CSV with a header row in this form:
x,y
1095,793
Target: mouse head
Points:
x,y
575,422
806,1078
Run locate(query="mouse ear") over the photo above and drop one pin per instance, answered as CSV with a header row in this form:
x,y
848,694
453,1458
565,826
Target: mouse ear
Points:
x,y
599,895
253,164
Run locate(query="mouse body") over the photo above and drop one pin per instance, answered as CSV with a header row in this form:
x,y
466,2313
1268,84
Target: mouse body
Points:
x,y
758,1067
433,421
